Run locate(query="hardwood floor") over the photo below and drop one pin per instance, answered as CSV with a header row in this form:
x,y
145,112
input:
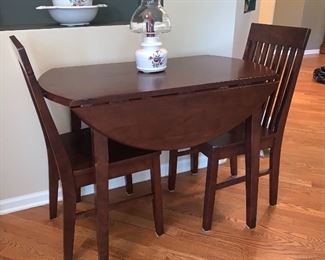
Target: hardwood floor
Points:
x,y
294,229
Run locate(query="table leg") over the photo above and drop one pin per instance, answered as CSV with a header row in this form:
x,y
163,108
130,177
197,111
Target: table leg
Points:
x,y
100,153
75,127
252,167
75,122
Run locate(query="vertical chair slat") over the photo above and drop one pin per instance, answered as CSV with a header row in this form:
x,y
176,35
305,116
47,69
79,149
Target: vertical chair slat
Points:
x,y
278,51
283,86
258,52
287,96
282,60
250,50
270,55
264,53
279,63
268,110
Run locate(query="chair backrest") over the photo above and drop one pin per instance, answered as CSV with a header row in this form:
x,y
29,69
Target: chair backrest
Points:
x,y
51,135
280,48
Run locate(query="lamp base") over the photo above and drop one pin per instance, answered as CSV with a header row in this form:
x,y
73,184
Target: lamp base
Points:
x,y
151,70
151,58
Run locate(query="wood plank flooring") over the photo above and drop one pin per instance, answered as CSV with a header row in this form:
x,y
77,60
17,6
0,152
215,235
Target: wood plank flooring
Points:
x,y
294,229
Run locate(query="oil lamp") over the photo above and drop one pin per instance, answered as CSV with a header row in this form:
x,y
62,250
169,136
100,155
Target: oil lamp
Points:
x,y
150,19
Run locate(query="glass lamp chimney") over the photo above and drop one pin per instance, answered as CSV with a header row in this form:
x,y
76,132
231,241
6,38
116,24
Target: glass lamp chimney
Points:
x,y
150,19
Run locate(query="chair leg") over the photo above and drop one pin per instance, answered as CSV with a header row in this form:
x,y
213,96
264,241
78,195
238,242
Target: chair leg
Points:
x,y
53,187
76,126
129,184
252,161
78,194
172,170
233,166
69,220
194,162
210,191
101,161
157,196
274,175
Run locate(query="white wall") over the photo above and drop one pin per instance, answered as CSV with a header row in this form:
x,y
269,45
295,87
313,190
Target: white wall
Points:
x,y
199,27
242,25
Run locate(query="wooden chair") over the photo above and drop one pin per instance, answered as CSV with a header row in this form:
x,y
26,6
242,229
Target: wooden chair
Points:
x,y
70,159
280,48
53,195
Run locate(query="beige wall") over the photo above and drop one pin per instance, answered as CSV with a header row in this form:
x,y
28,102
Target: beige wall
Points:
x,y
266,12
304,13
288,12
314,18
206,27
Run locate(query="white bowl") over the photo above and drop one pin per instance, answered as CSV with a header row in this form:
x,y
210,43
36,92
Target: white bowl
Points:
x,y
72,2
72,15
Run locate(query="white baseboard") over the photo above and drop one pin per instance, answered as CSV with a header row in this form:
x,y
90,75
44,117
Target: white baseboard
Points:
x,y
310,52
41,198
24,202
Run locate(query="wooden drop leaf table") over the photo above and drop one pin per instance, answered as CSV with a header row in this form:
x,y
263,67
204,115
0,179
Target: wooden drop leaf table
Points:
x,y
196,99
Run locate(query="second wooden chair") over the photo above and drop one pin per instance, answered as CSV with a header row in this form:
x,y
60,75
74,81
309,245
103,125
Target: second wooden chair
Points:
x,y
280,48
70,159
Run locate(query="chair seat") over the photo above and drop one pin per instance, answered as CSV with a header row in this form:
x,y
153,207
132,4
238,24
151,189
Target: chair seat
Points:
x,y
236,137
78,147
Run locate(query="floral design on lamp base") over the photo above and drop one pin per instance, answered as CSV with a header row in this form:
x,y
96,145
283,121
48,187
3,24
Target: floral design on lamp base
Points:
x,y
157,59
151,57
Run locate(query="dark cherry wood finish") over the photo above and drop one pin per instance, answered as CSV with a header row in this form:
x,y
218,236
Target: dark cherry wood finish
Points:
x,y
190,103
75,157
183,119
112,83
281,49
76,126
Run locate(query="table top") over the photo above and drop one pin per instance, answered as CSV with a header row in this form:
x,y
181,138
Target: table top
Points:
x,y
118,82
